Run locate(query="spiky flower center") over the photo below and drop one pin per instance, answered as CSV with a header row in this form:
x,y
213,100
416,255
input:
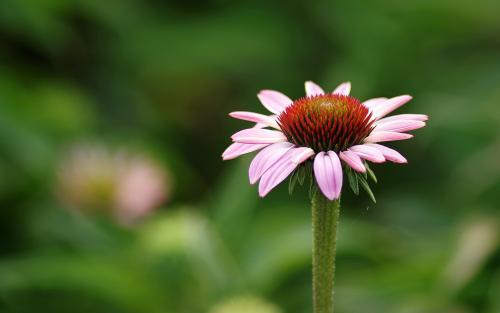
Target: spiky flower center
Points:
x,y
326,122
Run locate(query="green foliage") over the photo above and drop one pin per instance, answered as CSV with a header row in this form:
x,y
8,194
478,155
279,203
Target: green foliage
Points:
x,y
160,77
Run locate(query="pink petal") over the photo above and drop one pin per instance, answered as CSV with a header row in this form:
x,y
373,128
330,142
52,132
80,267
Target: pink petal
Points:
x,y
399,126
337,170
313,90
274,101
343,89
258,136
404,117
389,105
277,173
353,160
301,154
390,154
368,153
267,158
371,103
256,118
237,149
328,173
380,136
323,170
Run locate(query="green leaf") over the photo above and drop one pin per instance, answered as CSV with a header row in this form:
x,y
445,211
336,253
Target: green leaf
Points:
x,y
367,188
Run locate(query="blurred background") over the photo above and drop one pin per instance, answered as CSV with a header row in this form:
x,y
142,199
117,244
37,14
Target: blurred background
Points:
x,y
113,117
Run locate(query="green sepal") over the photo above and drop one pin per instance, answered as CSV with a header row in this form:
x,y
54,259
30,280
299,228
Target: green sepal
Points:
x,y
299,176
312,186
293,180
353,180
366,187
303,171
370,173
364,175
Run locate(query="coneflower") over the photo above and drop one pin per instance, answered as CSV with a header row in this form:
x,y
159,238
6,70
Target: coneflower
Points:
x,y
125,185
322,135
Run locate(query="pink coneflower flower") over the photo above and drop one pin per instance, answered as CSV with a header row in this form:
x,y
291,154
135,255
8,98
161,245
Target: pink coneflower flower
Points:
x,y
126,185
334,132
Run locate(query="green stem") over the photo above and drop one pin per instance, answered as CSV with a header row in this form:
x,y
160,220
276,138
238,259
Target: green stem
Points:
x,y
325,217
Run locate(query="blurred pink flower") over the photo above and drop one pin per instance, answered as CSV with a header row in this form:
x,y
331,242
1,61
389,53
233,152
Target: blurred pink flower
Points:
x,y
95,180
329,130
140,188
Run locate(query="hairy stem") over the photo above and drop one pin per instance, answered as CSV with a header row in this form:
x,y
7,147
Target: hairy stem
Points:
x,y
325,217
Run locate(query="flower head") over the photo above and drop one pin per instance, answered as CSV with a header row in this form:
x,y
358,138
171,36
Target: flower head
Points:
x,y
332,131
326,122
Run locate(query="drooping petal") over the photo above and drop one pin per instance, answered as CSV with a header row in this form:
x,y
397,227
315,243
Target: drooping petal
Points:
x,y
371,103
381,136
267,158
322,171
337,171
258,136
255,117
278,172
389,105
260,125
404,117
274,101
390,154
301,154
328,173
313,89
353,160
237,149
399,126
368,153
343,89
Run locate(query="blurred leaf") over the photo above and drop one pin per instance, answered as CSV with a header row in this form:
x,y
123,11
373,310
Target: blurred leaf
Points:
x,y
232,202
278,244
116,280
245,304
186,233
477,241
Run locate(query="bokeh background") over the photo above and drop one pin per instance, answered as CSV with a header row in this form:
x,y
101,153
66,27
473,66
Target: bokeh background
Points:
x,y
113,117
